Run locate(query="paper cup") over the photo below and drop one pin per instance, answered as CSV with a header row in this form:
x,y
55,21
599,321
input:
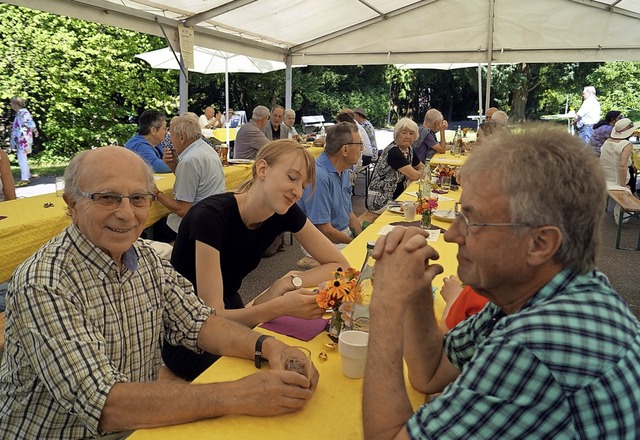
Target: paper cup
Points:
x,y
352,345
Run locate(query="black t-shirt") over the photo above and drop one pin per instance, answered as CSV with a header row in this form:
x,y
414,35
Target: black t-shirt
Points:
x,y
397,160
216,221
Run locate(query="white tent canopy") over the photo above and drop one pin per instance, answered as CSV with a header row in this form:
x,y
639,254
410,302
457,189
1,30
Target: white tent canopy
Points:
x,y
334,32
342,32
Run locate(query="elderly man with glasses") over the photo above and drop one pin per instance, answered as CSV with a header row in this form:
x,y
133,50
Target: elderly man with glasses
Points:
x,y
87,313
328,207
554,354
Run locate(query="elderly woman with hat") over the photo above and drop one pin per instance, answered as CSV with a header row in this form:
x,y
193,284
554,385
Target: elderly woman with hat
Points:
x,y
615,157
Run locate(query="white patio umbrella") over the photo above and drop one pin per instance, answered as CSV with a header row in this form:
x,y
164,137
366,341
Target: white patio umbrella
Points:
x,y
207,60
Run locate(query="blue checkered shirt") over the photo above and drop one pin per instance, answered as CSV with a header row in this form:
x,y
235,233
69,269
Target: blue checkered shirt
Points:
x,y
566,366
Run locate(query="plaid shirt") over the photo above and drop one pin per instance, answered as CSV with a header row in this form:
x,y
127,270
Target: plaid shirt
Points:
x,y
567,365
76,325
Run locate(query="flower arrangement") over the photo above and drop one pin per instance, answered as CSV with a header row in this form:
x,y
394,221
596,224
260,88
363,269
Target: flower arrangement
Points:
x,y
339,294
425,207
444,170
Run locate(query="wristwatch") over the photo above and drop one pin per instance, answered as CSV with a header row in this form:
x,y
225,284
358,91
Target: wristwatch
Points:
x,y
296,281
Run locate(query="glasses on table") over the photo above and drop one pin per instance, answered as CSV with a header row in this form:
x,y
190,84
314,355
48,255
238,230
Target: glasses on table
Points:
x,y
113,200
464,223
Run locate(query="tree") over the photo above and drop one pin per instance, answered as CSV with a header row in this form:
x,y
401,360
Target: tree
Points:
x,y
81,80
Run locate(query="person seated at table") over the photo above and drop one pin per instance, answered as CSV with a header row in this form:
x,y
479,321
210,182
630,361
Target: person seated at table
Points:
x,y
396,167
7,184
360,116
602,130
197,167
223,237
461,303
427,144
276,129
500,119
210,119
615,159
152,127
348,115
328,205
250,137
554,353
489,114
87,312
289,121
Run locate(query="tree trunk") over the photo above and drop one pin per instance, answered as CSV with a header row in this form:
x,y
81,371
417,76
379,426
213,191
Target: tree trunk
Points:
x,y
518,104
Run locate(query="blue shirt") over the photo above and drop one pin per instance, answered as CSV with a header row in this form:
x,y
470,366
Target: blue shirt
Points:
x,y
567,365
151,155
331,199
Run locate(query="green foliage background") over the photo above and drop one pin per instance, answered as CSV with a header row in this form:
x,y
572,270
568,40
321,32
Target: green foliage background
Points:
x,y
85,88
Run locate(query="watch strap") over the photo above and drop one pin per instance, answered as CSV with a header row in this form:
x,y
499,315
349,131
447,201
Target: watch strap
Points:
x,y
257,354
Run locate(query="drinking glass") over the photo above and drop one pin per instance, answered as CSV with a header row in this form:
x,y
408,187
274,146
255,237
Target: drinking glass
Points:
x,y
446,183
297,359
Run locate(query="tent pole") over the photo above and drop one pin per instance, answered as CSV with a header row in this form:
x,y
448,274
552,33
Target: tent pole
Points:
x,y
287,82
489,53
184,87
227,121
480,111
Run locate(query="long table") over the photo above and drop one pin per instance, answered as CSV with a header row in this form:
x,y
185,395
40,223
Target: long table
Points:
x,y
335,410
447,158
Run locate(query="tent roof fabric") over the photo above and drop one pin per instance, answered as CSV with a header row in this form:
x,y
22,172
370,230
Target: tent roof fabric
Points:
x,y
335,32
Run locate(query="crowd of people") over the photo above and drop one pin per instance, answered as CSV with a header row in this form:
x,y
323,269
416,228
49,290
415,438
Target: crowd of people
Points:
x,y
534,341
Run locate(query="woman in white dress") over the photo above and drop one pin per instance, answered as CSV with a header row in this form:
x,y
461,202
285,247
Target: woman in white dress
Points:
x,y
615,157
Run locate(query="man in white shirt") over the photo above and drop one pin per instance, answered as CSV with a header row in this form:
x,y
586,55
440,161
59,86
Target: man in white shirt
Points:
x,y
588,114
197,167
210,119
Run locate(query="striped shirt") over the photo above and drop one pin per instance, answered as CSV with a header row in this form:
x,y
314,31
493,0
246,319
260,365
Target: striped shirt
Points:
x,y
567,366
76,325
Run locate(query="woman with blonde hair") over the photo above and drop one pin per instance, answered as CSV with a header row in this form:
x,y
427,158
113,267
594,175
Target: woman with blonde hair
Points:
x,y
222,238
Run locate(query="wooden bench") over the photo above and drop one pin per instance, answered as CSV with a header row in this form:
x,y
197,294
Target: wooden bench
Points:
x,y
629,205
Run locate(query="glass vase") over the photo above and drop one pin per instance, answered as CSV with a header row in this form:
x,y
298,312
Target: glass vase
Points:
x,y
425,220
336,325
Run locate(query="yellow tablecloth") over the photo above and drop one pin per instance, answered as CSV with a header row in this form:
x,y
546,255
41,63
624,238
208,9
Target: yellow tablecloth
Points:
x,y
221,134
335,411
447,159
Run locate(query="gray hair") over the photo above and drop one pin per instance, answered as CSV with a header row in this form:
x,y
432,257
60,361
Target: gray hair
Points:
x,y
500,118
188,125
72,173
290,112
408,124
432,115
260,112
591,90
339,135
549,178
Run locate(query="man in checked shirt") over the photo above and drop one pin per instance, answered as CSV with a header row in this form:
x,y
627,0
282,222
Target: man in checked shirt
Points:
x,y
554,354
87,314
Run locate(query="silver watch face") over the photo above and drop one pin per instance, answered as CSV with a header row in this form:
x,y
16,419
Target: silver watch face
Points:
x,y
297,281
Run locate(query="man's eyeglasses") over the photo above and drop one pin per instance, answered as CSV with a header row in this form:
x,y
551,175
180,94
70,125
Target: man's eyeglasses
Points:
x,y
113,200
464,224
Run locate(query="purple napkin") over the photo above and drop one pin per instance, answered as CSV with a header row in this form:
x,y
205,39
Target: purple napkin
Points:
x,y
303,329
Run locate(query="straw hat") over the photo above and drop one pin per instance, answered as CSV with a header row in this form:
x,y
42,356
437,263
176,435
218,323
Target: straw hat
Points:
x,y
623,129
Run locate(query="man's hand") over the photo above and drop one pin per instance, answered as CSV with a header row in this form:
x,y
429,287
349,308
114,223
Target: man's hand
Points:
x,y
443,125
403,270
272,351
169,157
269,393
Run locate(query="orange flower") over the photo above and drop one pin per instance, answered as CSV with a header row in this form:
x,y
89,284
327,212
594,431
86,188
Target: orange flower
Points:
x,y
341,288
